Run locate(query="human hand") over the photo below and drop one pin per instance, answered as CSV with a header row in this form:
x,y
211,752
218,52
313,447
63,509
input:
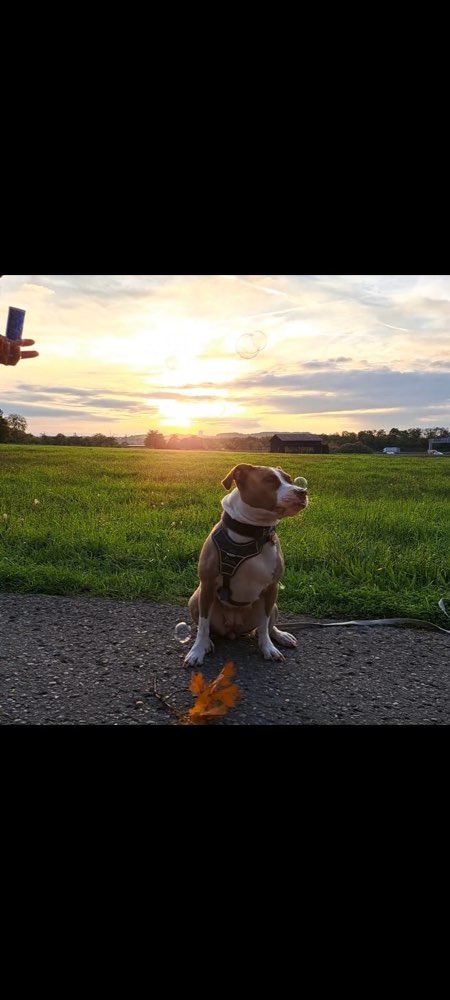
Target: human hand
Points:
x,y
11,351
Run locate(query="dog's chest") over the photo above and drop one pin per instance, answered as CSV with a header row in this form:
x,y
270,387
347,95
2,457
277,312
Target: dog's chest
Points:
x,y
254,575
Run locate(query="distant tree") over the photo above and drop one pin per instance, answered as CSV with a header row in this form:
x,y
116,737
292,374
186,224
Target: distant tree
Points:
x,y
4,429
17,428
412,439
368,438
436,432
333,441
355,448
251,443
102,441
155,439
244,442
394,438
192,442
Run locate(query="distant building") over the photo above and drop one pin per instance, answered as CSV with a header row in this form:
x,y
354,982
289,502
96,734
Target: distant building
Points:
x,y
297,444
439,441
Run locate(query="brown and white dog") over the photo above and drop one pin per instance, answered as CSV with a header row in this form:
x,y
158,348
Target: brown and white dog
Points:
x,y
241,562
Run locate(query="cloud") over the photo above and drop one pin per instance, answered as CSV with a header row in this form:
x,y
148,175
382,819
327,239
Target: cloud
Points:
x,y
60,415
307,392
357,389
99,287
328,365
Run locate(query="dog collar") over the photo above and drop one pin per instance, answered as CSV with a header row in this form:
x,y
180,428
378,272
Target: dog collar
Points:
x,y
262,534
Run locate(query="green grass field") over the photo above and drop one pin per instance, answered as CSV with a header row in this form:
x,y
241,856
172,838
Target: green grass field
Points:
x,y
374,542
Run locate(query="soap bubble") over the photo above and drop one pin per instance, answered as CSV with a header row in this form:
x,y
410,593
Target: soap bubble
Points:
x,y
260,339
248,345
182,632
301,481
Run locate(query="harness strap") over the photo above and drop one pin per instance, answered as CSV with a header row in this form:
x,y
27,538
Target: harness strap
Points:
x,y
233,554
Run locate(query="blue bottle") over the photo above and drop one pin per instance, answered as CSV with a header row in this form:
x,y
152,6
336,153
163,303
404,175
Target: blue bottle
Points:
x,y
14,326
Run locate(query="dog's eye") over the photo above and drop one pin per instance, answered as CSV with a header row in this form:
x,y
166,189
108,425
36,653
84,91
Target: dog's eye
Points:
x,y
284,474
271,480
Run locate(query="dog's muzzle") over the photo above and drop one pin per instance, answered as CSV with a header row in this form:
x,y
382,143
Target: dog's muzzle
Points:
x,y
300,495
295,501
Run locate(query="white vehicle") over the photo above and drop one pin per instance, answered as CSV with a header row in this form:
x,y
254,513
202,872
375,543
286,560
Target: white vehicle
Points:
x,y
434,453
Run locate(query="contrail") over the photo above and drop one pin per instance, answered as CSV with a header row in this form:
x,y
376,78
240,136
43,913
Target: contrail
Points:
x,y
405,329
262,288
238,319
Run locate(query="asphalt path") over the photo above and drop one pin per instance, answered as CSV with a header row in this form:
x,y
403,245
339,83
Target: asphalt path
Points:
x,y
89,662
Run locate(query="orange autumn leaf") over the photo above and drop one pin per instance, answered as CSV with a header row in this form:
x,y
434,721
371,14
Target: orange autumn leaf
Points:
x,y
197,683
227,671
221,679
201,703
213,699
208,716
230,695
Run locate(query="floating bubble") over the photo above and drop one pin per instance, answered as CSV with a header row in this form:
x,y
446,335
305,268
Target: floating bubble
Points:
x,y
248,345
182,632
301,481
260,339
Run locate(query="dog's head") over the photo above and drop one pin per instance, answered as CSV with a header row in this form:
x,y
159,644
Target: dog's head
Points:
x,y
267,488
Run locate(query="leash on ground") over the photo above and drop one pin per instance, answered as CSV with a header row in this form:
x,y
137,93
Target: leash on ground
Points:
x,y
411,622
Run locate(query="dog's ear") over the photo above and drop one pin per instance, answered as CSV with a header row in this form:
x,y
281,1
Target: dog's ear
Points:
x,y
237,474
229,479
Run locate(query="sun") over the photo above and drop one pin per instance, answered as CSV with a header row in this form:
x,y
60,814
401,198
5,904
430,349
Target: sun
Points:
x,y
172,413
194,413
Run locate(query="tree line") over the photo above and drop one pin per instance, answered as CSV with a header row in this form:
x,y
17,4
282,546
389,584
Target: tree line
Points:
x,y
201,442
13,430
413,439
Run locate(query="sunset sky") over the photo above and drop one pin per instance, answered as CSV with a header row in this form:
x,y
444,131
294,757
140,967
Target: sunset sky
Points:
x,y
123,354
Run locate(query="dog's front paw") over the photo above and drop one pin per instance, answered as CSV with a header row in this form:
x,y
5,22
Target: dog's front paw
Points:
x,y
269,651
196,655
284,638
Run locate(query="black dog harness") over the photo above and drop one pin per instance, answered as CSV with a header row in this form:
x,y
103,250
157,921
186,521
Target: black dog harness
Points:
x,y
233,554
